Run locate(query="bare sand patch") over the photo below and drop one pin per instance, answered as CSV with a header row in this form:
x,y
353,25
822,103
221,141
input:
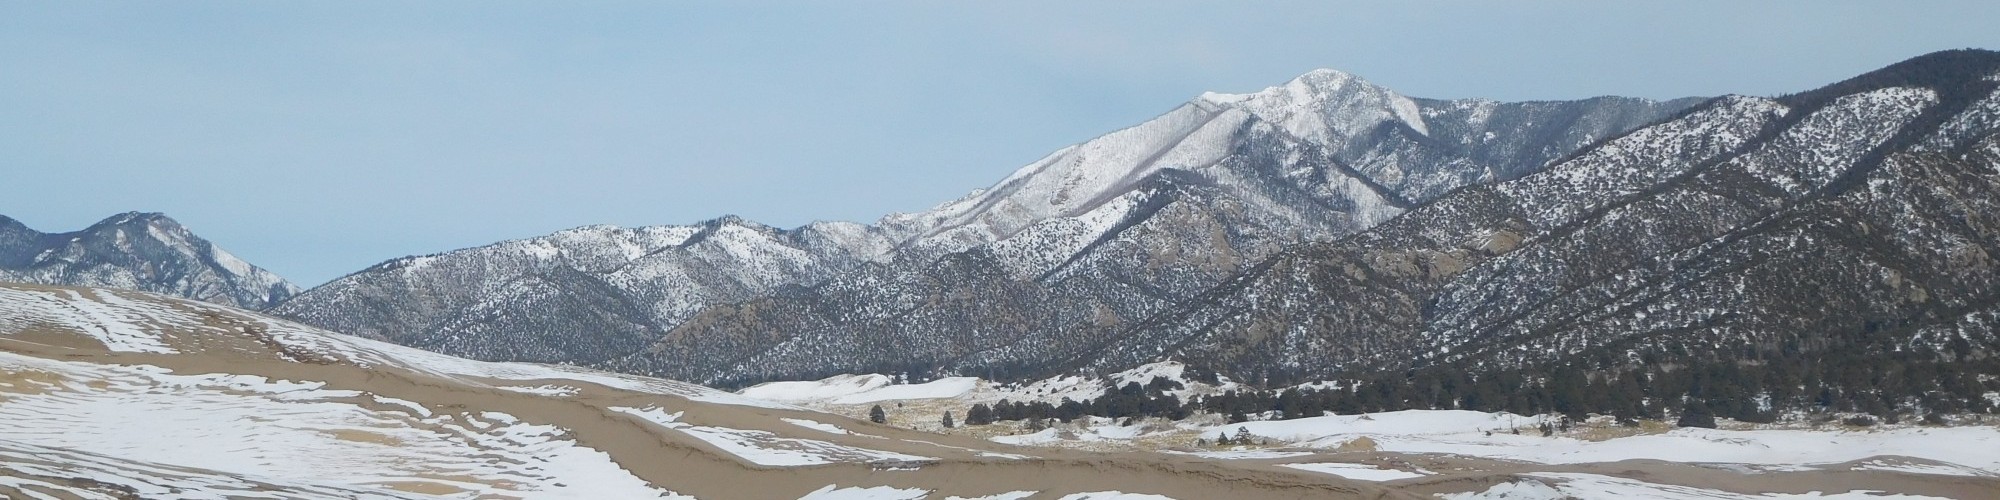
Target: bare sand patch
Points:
x,y
361,436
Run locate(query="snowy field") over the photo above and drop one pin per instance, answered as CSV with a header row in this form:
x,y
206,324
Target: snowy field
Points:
x,y
1953,451
253,427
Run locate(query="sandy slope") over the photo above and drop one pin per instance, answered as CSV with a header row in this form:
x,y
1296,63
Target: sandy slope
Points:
x,y
116,392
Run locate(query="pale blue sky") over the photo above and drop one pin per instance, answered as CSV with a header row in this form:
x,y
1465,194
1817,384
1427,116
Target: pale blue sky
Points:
x,y
315,139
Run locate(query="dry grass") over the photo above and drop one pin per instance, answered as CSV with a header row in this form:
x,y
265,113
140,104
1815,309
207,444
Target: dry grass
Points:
x,y
1357,445
1597,432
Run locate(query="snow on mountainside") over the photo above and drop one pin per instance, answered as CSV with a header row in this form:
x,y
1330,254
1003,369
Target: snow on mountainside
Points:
x,y
1033,270
1362,125
1330,227
579,295
1124,225
120,394
138,251
1840,234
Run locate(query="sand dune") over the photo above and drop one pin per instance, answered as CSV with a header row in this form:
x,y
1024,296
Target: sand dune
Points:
x,y
119,394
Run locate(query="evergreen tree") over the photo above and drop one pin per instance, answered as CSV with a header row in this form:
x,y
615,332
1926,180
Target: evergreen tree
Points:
x,y
876,415
1696,414
980,414
947,420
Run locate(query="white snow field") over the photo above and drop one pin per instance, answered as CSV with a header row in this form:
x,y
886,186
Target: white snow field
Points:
x,y
1489,435
1363,472
873,388
859,389
1960,450
352,441
1564,486
767,448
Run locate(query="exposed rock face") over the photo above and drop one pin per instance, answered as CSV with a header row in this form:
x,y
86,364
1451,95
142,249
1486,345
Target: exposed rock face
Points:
x,y
138,251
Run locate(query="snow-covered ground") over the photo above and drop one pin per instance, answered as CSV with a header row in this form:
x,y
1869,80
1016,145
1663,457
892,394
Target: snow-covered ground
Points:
x,y
1362,472
864,389
767,448
182,399
255,427
1490,435
1963,451
1563,486
860,389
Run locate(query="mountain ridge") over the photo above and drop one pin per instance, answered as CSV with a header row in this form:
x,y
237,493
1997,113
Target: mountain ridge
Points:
x,y
1099,233
146,251
1774,241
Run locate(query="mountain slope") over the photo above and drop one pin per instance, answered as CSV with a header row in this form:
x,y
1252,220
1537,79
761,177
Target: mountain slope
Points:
x,y
580,295
1844,232
1070,250
139,251
118,394
1093,236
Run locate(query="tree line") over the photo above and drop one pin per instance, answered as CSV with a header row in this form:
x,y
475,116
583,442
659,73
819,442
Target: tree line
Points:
x,y
1695,389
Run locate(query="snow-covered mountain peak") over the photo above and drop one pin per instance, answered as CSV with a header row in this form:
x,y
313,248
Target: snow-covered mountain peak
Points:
x,y
137,218
1351,143
734,220
1078,178
155,224
1326,106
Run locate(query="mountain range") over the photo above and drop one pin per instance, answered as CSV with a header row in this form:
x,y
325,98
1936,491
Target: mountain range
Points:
x,y
1854,219
1095,237
1326,228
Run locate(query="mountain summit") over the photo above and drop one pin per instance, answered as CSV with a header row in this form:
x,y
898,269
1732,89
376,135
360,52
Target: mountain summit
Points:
x,y
139,251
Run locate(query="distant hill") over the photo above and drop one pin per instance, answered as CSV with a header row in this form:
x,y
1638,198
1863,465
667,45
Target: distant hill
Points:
x,y
137,251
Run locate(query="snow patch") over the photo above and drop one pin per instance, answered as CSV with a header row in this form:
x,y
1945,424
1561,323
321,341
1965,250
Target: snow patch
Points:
x,y
870,493
859,389
1114,495
1362,472
767,448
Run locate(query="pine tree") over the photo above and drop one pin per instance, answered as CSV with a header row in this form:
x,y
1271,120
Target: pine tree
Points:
x,y
947,420
876,415
1696,414
980,414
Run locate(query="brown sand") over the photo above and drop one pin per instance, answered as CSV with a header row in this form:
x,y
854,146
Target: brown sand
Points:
x,y
678,462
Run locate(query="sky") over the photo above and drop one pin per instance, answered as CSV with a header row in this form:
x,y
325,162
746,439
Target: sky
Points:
x,y
317,138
